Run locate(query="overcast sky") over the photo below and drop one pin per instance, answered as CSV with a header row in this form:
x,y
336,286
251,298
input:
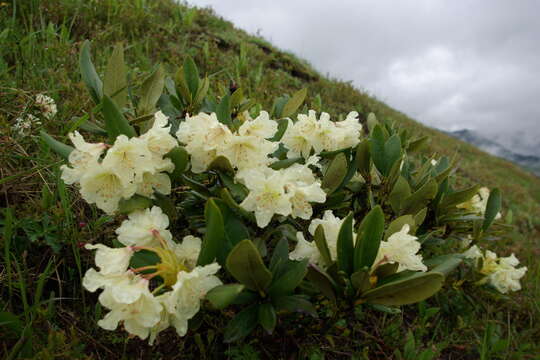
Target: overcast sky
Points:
x,y
449,64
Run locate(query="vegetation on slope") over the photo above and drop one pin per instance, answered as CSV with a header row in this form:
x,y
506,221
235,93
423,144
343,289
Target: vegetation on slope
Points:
x,y
45,313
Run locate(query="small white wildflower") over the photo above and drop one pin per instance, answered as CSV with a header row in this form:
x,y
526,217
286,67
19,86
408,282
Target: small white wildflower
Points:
x,y
23,125
47,105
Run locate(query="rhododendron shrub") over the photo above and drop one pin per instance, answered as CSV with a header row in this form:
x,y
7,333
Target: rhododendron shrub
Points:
x,y
226,205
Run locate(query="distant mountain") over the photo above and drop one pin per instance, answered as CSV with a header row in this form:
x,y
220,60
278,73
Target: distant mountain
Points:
x,y
529,162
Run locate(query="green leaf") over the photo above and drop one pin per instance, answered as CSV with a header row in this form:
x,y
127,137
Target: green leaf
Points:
x,y
93,128
115,80
242,324
89,74
335,174
409,290
322,245
136,202
282,127
322,281
420,198
363,157
384,153
223,111
385,270
191,74
236,97
400,192
267,317
397,224
368,238
245,265
280,258
201,93
151,90
285,163
418,144
182,87
224,295
294,103
345,245
459,197
214,237
445,264
180,158
60,148
360,280
222,164
493,207
115,123
295,303
293,274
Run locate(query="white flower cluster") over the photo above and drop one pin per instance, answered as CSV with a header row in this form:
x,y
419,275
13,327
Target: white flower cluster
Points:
x,y
400,247
500,272
127,292
23,125
205,139
130,166
47,105
478,203
286,192
309,133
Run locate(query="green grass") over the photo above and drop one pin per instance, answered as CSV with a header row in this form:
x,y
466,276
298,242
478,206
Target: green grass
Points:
x,y
45,313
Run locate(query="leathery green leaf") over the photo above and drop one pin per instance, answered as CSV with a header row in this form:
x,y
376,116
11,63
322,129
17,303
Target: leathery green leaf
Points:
x,y
294,103
115,80
60,148
397,224
89,74
214,236
245,265
399,193
223,295
335,173
151,90
368,238
420,198
115,122
242,324
345,245
410,290
292,276
267,317
492,208
322,245
322,281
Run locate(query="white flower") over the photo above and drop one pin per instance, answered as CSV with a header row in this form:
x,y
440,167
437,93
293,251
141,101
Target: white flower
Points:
x,y
139,315
501,273
129,158
102,186
473,253
203,135
247,152
401,248
151,182
188,251
160,142
23,125
506,277
434,162
184,301
304,189
321,135
47,105
81,158
267,195
306,250
139,228
262,126
111,260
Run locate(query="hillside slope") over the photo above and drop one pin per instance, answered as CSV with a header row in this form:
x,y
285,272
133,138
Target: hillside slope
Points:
x,y
39,54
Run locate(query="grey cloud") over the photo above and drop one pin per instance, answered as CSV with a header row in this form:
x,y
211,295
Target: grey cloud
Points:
x,y
449,64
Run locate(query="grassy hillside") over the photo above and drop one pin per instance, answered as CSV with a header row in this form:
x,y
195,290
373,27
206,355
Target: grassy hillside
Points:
x,y
44,222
